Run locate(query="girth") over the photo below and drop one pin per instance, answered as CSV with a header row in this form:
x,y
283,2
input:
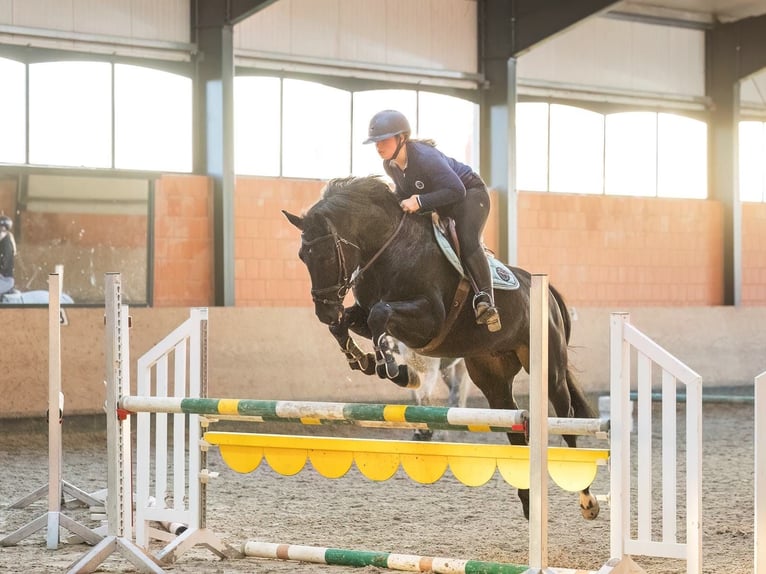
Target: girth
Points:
x,y
461,295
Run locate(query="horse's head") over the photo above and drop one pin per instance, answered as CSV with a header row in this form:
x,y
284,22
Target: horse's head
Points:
x,y
353,216
330,260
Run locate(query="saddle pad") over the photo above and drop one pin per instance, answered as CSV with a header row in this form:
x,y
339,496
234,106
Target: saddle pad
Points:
x,y
502,277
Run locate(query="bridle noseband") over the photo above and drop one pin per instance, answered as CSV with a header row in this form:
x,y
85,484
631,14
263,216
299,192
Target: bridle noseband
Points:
x,y
346,280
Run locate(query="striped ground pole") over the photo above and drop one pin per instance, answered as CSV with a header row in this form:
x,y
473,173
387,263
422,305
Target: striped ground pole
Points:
x,y
389,560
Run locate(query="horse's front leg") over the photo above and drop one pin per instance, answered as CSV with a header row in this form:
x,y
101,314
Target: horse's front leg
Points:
x,y
356,357
409,321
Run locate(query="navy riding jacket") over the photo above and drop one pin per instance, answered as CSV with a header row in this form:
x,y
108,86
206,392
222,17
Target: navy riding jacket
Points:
x,y
439,180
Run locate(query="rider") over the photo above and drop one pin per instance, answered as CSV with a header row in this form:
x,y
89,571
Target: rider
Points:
x,y
428,180
7,253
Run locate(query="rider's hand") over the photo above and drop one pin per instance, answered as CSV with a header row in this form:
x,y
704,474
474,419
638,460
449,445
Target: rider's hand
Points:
x,y
410,205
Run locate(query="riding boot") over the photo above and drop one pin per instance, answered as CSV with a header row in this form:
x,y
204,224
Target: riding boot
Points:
x,y
477,268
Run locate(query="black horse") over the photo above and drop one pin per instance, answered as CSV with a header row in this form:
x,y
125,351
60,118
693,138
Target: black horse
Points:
x,y
357,237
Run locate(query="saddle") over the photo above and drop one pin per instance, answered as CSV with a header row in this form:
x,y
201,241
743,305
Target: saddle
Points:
x,y
502,277
446,236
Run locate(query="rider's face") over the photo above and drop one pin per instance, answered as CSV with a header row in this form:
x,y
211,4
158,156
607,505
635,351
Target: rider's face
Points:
x,y
386,147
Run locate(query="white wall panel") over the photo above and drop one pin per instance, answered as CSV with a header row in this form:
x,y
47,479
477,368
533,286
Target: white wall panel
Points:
x,y
314,28
165,20
430,34
362,34
53,14
268,30
6,11
620,55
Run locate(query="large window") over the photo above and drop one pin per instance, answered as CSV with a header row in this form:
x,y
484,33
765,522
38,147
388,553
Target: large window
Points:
x,y
73,106
316,130
301,129
153,128
12,111
568,149
752,161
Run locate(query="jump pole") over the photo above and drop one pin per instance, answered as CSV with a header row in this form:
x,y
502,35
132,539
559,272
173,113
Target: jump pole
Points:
x,y
118,503
54,519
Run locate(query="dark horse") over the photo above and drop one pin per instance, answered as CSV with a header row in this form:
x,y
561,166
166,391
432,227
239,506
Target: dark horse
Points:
x,y
356,236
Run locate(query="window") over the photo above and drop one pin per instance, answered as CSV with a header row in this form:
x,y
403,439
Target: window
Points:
x,y
567,149
450,122
681,157
257,125
752,161
576,150
630,160
152,120
70,114
532,146
12,111
317,130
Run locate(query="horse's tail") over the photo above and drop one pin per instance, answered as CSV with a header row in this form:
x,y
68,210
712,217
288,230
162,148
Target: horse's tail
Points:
x,y
580,404
564,311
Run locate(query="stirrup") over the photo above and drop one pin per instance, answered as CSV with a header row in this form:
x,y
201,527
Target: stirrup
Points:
x,y
486,313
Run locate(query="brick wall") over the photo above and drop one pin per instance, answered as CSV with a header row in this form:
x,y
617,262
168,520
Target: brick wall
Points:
x,y
607,251
183,241
599,251
754,253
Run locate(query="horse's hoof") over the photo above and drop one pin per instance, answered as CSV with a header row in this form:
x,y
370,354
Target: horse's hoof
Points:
x,y
367,364
423,434
591,510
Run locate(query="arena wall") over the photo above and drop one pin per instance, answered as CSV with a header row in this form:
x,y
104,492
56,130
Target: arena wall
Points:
x,y
284,353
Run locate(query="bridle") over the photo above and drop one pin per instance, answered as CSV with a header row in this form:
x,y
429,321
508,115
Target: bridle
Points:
x,y
346,280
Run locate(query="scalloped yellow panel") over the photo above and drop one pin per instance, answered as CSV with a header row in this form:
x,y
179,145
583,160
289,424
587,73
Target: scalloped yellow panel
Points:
x,y
240,458
331,464
572,476
377,466
286,461
473,471
424,469
514,471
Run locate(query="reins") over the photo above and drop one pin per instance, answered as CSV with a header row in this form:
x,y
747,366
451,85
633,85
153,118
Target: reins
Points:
x,y
346,282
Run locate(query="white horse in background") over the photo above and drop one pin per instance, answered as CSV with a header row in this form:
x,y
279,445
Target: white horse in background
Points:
x,y
452,372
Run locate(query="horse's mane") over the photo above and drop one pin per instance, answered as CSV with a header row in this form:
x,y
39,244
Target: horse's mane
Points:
x,y
357,195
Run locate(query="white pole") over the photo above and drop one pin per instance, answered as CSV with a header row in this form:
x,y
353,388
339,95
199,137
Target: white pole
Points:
x,y
55,401
538,424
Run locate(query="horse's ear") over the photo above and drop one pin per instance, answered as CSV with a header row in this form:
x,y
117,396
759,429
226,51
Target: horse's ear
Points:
x,y
294,219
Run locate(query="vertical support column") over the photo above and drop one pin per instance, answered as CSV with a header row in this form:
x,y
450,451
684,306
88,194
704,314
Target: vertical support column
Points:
x,y
538,424
214,138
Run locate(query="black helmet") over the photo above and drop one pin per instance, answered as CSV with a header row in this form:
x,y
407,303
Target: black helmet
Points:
x,y
386,124
6,222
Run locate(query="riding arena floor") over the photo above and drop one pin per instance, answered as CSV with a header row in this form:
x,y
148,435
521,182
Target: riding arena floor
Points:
x,y
442,519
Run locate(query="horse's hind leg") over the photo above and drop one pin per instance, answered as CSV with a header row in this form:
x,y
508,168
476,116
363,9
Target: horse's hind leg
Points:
x,y
568,400
494,376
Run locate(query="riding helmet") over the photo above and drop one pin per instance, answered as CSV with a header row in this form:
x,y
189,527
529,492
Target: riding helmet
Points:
x,y
6,222
386,124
